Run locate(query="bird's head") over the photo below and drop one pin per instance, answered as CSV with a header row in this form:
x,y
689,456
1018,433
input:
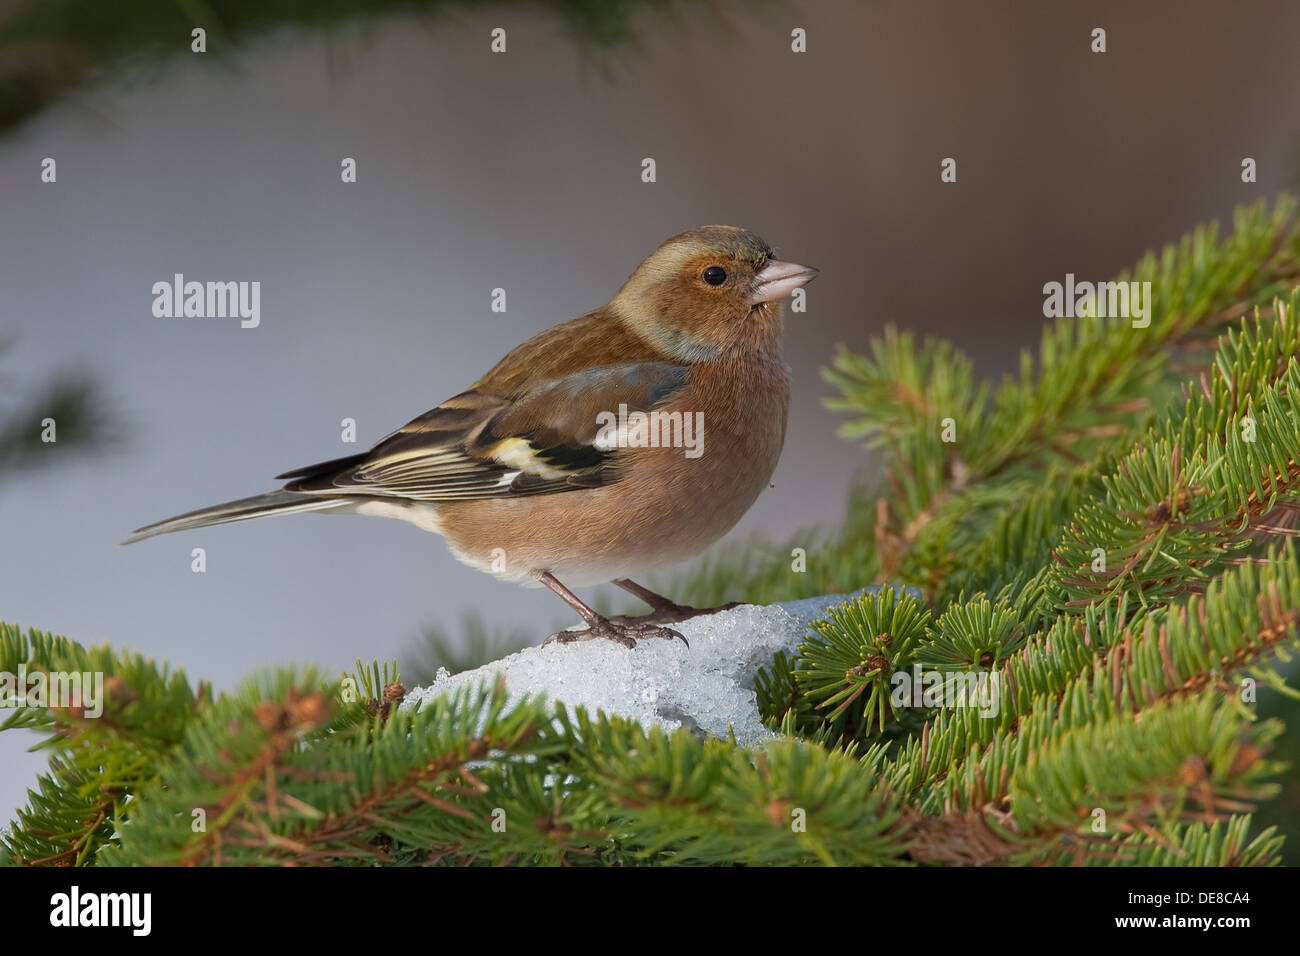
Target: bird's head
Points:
x,y
709,291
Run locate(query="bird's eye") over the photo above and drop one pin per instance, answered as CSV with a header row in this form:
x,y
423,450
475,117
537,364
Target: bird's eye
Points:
x,y
715,275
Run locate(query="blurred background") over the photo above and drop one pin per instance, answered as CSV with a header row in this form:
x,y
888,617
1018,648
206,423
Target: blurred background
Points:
x,y
522,170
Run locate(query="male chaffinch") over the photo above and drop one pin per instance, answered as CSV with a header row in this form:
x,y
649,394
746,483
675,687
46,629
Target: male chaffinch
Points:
x,y
552,467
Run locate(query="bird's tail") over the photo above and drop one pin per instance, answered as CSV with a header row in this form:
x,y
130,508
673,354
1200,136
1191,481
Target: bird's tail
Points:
x,y
272,503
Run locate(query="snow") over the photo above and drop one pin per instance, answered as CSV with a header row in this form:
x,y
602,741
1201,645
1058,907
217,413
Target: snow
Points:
x,y
707,687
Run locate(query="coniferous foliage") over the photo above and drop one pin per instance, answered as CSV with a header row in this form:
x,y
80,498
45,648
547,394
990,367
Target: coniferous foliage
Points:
x,y
1107,544
48,47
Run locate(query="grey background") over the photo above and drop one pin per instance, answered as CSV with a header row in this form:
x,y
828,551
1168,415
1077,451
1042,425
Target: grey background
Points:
x,y
522,171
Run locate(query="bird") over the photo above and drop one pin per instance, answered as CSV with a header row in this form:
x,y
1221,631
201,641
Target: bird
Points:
x,y
611,445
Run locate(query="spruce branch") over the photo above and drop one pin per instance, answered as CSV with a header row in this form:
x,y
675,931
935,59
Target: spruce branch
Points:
x,y
81,416
275,774
1203,489
1222,843
1092,382
1106,665
99,761
674,798
1194,760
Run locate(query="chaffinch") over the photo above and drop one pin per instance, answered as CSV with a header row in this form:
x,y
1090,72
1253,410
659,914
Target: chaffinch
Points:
x,y
626,439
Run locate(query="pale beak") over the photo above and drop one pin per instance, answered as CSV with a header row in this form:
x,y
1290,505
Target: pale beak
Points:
x,y
778,279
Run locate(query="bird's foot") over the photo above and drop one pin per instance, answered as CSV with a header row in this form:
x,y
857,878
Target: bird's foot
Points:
x,y
619,632
671,613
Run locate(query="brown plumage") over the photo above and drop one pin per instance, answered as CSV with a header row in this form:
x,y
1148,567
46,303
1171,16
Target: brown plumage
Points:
x,y
531,475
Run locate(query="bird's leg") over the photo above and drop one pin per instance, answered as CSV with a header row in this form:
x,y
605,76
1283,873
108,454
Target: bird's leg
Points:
x,y
661,608
623,633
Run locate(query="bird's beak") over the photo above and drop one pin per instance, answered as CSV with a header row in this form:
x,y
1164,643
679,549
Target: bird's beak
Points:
x,y
778,279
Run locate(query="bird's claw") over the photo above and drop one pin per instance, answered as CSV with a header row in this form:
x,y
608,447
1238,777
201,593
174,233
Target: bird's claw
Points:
x,y
671,614
616,631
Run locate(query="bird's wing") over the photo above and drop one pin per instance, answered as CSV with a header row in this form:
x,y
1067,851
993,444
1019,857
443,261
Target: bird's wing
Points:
x,y
478,445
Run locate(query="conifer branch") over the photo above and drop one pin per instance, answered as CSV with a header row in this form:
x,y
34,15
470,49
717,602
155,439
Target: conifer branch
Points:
x,y
1093,380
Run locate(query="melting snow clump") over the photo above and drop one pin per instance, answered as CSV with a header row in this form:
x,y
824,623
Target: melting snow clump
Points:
x,y
705,687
